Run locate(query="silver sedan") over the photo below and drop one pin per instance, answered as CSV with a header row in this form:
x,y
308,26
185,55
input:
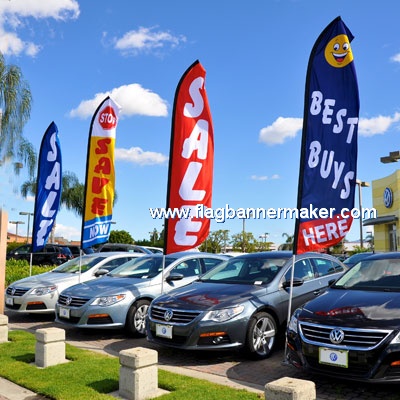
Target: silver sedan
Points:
x,y
39,293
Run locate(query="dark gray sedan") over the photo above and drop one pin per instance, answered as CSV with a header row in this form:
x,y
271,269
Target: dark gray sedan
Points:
x,y
242,303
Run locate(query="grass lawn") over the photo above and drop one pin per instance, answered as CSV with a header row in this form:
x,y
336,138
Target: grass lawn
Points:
x,y
90,375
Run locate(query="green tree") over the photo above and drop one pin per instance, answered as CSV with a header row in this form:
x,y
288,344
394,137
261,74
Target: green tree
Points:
x,y
288,245
244,241
216,241
120,237
15,110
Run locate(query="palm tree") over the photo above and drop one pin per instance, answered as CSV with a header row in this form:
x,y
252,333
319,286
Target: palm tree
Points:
x,y
15,110
288,245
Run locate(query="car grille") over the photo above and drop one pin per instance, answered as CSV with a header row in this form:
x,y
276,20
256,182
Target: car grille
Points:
x,y
18,291
178,316
361,339
75,301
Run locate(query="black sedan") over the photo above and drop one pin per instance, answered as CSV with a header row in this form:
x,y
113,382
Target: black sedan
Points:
x,y
352,331
240,304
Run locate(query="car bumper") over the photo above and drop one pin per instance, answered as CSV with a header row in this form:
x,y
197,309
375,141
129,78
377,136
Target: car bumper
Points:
x,y
381,365
112,317
32,304
203,335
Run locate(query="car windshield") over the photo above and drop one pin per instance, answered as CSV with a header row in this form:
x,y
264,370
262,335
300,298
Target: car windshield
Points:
x,y
246,270
375,274
72,266
142,267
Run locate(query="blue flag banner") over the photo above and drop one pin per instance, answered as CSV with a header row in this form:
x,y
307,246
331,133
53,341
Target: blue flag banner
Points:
x,y
328,161
48,188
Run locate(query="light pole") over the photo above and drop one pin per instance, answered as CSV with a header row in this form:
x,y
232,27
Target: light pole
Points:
x,y
16,227
393,156
361,184
29,220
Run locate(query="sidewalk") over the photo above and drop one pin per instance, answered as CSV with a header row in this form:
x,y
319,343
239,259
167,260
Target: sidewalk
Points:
x,y
11,391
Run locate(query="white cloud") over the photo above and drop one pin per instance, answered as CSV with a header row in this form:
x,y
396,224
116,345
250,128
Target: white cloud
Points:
x,y
14,14
280,131
136,155
264,177
145,40
133,98
395,58
377,125
67,232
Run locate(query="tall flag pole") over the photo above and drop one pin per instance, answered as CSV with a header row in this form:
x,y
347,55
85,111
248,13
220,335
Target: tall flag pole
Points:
x,y
100,175
328,161
48,188
191,163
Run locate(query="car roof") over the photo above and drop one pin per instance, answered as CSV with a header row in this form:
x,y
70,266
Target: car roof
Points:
x,y
384,256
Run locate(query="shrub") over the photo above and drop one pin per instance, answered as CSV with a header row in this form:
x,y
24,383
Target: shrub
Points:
x,y
18,269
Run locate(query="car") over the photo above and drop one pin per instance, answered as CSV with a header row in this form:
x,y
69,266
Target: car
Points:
x,y
154,249
39,293
355,258
242,304
52,254
121,298
77,251
132,248
352,331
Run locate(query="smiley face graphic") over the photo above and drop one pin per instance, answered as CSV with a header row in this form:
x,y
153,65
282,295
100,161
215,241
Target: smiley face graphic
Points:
x,y
338,51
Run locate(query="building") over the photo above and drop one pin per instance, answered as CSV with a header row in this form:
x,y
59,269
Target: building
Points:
x,y
386,201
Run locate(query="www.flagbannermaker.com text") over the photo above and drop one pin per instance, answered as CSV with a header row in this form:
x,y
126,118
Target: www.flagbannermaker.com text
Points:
x,y
221,214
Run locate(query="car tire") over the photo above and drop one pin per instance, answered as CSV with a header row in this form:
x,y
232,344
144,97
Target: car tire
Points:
x,y
136,318
261,336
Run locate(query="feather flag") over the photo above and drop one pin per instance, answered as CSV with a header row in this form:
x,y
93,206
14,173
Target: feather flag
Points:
x,y
190,163
328,162
48,188
100,175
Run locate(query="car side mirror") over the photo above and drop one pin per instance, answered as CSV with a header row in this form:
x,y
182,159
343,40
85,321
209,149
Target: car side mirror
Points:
x,y
332,282
296,282
174,276
101,272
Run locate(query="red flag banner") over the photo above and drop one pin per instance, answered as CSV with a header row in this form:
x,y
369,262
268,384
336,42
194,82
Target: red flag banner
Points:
x,y
190,163
328,164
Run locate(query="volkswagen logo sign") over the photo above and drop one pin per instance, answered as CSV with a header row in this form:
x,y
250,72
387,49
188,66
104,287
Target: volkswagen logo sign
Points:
x,y
68,300
388,197
168,315
336,336
13,290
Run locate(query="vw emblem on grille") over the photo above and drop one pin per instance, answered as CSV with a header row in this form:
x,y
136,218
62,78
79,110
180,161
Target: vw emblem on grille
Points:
x,y
68,300
336,336
13,290
168,315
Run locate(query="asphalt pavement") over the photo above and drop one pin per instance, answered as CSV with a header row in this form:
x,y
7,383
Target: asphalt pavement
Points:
x,y
232,369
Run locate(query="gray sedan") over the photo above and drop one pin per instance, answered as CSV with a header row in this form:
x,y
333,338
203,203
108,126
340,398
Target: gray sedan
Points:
x,y
241,304
121,298
39,293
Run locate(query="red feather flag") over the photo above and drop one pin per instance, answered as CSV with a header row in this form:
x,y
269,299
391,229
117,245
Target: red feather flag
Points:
x,y
191,164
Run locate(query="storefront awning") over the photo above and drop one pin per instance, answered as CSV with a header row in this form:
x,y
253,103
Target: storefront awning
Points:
x,y
385,219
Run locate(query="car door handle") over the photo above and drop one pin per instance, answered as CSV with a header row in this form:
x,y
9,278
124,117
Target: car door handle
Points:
x,y
317,292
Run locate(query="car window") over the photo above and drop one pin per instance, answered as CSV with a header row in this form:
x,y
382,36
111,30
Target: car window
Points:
x,y
114,263
338,267
323,266
302,270
188,267
210,263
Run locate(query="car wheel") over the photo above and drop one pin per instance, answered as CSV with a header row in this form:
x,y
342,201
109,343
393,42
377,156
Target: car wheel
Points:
x,y
136,319
261,335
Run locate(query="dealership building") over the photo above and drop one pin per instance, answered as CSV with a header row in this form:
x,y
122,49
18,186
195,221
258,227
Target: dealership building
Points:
x,y
386,201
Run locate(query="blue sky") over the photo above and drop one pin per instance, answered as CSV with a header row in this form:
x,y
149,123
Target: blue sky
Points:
x,y
74,53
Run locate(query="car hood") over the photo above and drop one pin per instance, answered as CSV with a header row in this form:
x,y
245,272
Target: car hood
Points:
x,y
105,286
354,308
48,278
206,296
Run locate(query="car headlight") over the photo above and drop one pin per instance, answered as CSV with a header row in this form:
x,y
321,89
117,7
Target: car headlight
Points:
x,y
224,314
41,291
108,300
293,321
396,339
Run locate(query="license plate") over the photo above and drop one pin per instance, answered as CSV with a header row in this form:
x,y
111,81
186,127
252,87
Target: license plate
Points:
x,y
9,301
164,331
338,358
64,312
